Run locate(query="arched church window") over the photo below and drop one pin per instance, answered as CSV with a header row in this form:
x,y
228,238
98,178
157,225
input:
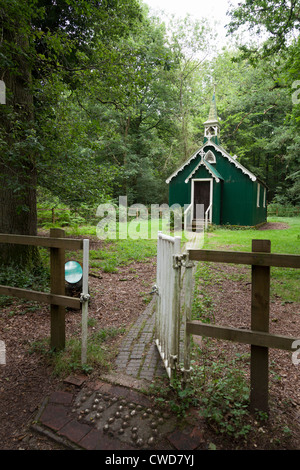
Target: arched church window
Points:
x,y
210,157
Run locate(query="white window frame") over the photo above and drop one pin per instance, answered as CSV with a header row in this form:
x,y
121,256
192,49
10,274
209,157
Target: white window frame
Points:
x,y
258,195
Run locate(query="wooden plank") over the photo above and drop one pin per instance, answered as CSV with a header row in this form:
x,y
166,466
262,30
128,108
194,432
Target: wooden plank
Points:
x,y
50,242
57,284
42,297
260,307
243,257
239,335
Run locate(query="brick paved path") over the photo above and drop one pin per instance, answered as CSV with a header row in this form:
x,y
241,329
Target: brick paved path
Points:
x,y
138,355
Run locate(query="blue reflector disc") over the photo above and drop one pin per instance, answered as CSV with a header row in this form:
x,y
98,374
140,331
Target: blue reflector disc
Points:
x,y
73,272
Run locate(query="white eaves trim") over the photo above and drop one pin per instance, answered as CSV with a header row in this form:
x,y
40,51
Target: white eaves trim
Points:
x,y
234,161
202,162
223,152
184,165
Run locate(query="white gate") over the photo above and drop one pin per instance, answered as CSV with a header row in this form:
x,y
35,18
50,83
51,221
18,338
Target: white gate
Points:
x,y
174,297
168,301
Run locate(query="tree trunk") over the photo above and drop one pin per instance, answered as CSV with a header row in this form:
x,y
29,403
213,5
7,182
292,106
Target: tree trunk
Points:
x,y
18,176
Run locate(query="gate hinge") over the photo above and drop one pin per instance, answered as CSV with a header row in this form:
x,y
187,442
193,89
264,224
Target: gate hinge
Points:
x,y
173,361
186,262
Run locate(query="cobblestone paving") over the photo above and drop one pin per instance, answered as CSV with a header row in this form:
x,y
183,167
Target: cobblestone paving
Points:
x,y
111,417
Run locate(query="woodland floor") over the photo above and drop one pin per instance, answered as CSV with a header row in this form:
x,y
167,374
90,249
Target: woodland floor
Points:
x,y
117,300
231,300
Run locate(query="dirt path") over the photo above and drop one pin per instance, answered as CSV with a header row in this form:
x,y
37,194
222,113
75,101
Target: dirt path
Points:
x,y
230,294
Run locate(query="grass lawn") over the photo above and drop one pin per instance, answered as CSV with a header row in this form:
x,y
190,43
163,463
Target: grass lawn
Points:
x,y
115,252
284,281
282,241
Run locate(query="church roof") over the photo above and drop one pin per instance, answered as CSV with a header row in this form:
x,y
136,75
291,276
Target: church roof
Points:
x,y
215,174
225,154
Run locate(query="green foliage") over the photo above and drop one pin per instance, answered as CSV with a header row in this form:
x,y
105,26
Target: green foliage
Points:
x,y
217,388
113,101
99,354
253,109
34,278
279,55
281,208
182,398
48,50
278,20
224,396
175,396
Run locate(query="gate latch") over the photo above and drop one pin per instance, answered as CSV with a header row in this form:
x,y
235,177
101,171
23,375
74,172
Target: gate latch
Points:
x,y
178,261
154,290
182,261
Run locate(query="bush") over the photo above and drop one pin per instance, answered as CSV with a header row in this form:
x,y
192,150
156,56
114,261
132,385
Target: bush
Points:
x,y
224,397
36,278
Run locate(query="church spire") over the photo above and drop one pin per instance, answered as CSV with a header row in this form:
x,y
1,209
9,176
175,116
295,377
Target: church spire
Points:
x,y
213,109
212,125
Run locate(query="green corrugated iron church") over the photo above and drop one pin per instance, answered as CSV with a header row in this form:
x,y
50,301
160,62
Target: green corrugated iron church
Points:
x,y
230,193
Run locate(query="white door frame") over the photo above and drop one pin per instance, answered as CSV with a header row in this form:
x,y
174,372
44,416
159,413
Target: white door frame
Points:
x,y
210,195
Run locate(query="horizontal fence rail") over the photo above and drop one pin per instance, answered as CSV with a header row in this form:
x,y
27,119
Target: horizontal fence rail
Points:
x,y
42,297
257,338
243,257
65,243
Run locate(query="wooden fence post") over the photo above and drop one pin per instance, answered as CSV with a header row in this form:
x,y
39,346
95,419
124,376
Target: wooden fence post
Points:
x,y
260,305
57,285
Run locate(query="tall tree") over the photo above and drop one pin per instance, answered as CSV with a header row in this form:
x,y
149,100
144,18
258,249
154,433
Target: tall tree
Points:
x,y
42,38
253,112
18,137
279,23
275,21
192,42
